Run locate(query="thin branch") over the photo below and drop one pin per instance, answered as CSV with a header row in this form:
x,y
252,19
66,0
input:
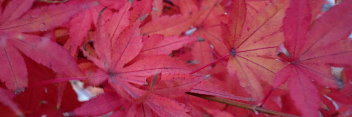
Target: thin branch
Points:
x,y
242,105
53,1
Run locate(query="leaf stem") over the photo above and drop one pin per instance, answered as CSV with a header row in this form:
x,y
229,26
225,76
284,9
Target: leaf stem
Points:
x,y
53,1
242,105
207,65
266,97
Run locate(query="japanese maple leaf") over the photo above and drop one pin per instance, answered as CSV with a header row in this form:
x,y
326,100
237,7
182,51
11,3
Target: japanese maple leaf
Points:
x,y
312,49
250,42
252,50
18,18
125,43
116,46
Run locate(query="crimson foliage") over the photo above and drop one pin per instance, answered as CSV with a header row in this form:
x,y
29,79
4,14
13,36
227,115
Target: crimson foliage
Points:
x,y
145,57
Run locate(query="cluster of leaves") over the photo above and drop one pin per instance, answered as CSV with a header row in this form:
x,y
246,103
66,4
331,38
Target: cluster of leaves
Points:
x,y
161,57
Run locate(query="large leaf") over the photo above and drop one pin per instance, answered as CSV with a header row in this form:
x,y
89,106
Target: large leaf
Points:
x,y
253,53
312,50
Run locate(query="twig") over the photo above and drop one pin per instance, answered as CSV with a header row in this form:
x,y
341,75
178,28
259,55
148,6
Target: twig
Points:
x,y
53,1
242,105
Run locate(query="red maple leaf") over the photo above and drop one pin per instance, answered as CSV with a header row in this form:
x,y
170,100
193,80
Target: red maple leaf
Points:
x,y
249,43
117,44
312,49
